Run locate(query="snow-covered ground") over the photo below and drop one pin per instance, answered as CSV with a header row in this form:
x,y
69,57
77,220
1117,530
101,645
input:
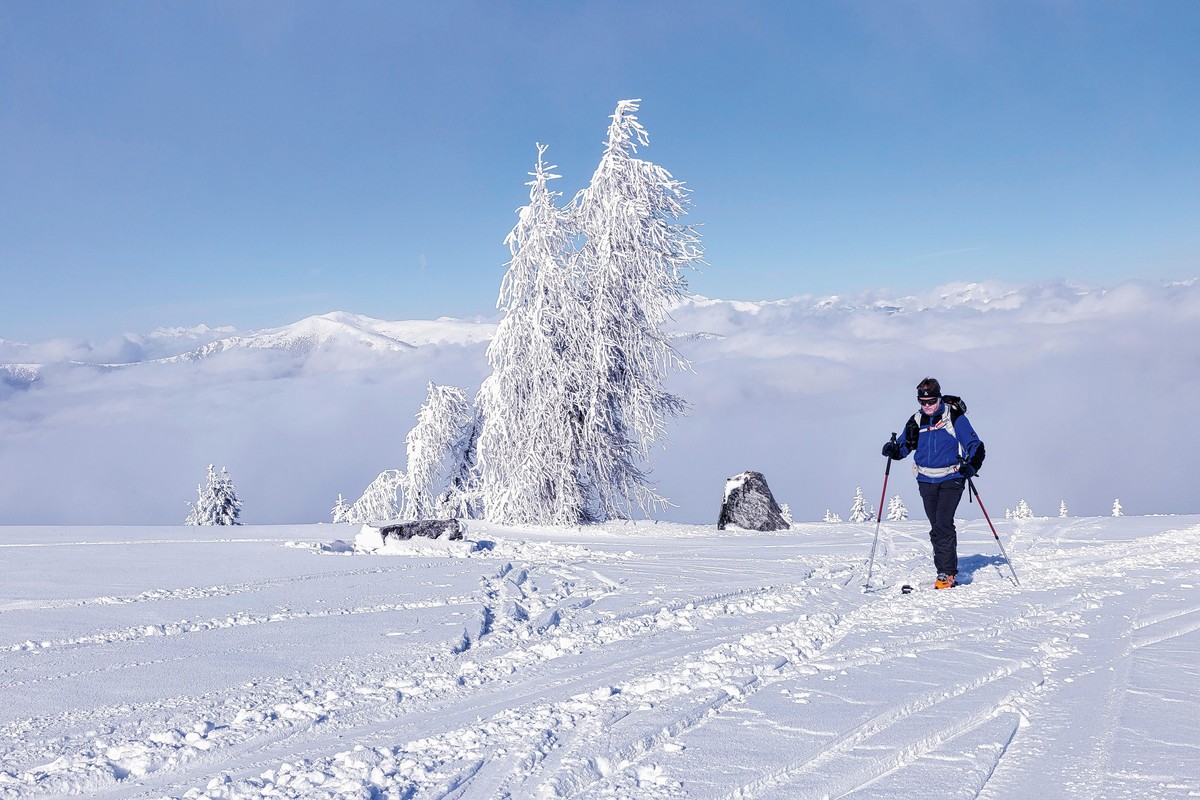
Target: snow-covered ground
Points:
x,y
632,660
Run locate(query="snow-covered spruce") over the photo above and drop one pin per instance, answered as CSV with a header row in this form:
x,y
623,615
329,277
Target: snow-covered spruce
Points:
x,y
859,512
897,511
631,265
217,502
379,501
530,450
438,481
576,398
340,509
1023,511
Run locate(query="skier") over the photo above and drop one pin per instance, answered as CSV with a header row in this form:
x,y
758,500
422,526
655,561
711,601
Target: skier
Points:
x,y
946,451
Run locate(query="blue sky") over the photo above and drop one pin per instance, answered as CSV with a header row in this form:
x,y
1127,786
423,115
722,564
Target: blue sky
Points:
x,y
250,164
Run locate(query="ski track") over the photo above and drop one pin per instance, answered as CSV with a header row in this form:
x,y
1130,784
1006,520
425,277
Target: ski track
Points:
x,y
547,694
195,593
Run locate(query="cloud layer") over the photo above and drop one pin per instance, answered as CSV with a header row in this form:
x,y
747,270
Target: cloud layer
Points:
x,y
1081,395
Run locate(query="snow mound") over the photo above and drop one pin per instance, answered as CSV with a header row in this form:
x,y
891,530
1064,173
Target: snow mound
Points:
x,y
371,541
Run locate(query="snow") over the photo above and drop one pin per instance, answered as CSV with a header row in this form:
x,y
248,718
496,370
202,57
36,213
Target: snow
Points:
x,y
623,660
734,483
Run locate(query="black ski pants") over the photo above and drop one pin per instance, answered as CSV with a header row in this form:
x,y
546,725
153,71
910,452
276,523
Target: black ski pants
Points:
x,y
941,501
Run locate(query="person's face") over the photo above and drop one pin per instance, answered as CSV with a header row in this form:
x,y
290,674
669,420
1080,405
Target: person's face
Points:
x,y
929,404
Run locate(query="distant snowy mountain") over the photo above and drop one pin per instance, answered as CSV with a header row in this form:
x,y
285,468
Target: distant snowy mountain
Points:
x,y
193,333
696,317
959,295
19,375
336,331
345,332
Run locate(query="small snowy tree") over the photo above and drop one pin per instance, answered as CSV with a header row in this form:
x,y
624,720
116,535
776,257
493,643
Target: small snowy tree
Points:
x,y
440,454
785,511
462,497
340,509
217,502
830,516
379,501
1023,511
1062,508
897,512
859,511
1116,511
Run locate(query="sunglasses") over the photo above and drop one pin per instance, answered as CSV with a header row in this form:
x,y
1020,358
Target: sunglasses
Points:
x,y
928,401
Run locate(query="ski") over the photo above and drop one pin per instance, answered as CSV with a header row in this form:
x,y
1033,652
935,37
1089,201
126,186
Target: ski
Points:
x,y
909,588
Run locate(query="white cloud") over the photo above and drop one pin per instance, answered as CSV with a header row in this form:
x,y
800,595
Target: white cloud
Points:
x,y
1080,394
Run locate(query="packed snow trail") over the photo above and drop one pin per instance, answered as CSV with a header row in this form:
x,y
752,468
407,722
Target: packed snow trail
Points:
x,y
635,660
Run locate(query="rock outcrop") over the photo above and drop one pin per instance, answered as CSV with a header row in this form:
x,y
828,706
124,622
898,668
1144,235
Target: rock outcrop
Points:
x,y
374,536
749,504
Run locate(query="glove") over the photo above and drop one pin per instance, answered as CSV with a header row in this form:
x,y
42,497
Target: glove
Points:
x,y
892,450
966,470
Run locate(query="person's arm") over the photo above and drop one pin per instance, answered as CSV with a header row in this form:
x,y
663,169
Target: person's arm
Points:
x,y
908,442
972,445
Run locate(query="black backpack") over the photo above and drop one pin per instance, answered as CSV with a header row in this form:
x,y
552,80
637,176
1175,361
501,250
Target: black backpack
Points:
x,y
956,404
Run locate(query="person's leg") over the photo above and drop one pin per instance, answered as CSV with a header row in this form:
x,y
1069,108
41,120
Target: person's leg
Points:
x,y
941,501
949,495
929,498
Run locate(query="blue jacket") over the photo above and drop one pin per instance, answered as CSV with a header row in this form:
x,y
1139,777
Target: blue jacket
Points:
x,y
935,447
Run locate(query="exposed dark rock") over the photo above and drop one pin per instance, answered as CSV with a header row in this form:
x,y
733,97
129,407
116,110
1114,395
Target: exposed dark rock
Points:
x,y
749,504
431,528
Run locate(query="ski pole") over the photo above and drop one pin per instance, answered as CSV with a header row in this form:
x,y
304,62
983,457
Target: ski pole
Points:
x,y
879,518
975,492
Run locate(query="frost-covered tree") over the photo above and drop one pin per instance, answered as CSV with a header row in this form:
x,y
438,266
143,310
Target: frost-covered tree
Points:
x,y
858,510
1062,508
379,501
340,509
897,511
531,455
830,516
217,502
462,498
1116,510
631,257
440,454
785,511
1023,511
576,398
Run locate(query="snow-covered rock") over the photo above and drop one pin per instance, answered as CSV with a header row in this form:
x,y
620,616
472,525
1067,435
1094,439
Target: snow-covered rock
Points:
x,y
375,537
749,504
